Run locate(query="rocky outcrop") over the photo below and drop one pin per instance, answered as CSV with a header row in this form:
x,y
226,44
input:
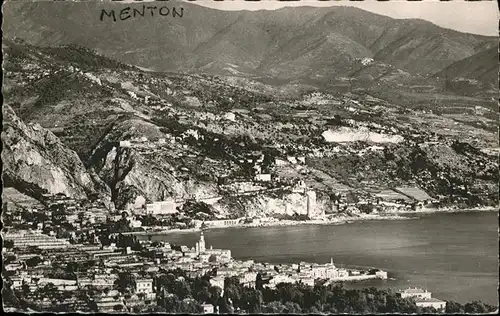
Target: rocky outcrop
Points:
x,y
136,177
264,205
36,162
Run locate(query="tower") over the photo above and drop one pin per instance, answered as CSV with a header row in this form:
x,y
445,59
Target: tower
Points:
x,y
201,243
311,203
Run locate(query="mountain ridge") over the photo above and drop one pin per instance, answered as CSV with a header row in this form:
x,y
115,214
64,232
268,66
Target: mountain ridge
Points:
x,y
256,41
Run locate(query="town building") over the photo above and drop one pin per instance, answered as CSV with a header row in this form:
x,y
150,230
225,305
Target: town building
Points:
x,y
431,302
222,222
230,116
415,292
312,210
125,144
200,245
168,206
263,177
207,308
24,239
144,286
217,281
423,298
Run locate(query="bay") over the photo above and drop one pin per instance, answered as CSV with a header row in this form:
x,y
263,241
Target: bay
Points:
x,y
453,255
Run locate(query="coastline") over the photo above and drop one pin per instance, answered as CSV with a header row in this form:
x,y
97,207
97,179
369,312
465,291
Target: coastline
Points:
x,y
339,220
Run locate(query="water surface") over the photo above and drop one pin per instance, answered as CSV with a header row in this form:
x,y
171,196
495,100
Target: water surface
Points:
x,y
455,256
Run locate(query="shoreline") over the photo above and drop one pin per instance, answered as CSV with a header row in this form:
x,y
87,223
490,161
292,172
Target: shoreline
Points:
x,y
340,220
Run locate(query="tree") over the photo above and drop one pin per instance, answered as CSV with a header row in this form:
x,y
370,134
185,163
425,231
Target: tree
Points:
x,y
50,288
274,307
8,243
33,261
215,295
292,308
171,303
182,289
190,306
478,307
259,282
25,289
72,267
126,281
212,258
454,308
257,300
225,307
8,296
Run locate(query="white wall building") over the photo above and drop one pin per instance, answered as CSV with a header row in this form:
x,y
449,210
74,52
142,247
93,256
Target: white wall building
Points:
x,y
415,292
264,177
162,207
207,308
431,302
144,286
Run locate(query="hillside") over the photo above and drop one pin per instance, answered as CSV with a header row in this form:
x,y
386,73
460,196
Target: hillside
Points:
x,y
149,136
35,162
288,43
482,66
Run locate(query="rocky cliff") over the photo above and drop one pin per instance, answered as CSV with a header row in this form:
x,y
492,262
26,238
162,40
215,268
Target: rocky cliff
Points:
x,y
136,176
35,161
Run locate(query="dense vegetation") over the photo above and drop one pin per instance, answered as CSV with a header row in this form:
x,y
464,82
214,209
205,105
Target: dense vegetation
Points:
x,y
288,298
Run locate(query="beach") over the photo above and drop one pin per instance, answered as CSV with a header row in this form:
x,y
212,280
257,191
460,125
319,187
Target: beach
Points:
x,y
333,220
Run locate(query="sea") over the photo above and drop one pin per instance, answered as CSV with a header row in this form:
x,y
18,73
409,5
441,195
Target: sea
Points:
x,y
452,255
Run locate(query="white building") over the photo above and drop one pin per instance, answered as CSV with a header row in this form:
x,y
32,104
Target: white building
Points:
x,y
200,245
248,277
207,308
217,281
423,298
264,177
366,61
307,281
230,116
162,207
431,302
144,286
222,222
125,143
311,204
280,162
134,223
381,274
415,292
292,159
280,278
17,282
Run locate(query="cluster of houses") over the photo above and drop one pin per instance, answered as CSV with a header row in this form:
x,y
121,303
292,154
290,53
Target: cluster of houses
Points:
x,y
423,298
32,277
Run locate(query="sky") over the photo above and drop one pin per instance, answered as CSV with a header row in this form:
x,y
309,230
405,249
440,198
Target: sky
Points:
x,y
478,17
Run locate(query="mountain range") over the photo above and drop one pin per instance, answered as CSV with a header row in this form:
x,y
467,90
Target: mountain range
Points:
x,y
289,43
